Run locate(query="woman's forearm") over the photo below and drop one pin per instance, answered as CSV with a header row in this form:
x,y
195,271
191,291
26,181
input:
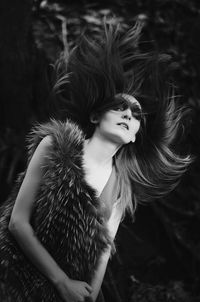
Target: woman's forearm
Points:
x,y
35,251
112,224
99,274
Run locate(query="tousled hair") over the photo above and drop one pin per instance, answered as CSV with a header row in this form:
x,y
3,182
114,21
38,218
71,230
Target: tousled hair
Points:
x,y
88,79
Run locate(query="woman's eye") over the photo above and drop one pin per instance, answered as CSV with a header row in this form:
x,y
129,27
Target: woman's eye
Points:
x,y
137,112
121,107
137,116
135,109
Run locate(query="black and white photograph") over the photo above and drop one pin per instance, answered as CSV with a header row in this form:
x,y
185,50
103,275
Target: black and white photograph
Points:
x,y
99,151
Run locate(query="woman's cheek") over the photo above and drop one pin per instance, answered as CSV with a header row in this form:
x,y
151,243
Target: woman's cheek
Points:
x,y
135,131
138,127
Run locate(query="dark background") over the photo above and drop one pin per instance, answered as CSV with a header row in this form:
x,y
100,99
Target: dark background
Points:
x,y
158,256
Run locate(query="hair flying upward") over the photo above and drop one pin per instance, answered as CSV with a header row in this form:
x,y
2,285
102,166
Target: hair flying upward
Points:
x,y
89,80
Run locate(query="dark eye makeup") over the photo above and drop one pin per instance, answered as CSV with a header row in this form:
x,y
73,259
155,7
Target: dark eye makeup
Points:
x,y
135,109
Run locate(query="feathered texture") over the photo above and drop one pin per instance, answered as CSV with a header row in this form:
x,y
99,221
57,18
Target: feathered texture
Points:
x,y
94,73
66,218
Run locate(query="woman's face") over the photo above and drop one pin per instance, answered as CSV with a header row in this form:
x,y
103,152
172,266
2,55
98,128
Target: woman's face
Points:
x,y
121,123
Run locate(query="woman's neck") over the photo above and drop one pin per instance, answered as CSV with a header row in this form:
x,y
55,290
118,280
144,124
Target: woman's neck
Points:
x,y
99,150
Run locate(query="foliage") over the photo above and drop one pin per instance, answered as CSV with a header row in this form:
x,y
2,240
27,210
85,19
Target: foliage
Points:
x,y
163,244
172,292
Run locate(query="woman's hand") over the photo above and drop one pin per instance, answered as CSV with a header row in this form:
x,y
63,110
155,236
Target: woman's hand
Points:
x,y
73,290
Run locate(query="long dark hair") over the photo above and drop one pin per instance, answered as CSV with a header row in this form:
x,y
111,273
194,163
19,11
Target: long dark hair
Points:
x,y
88,79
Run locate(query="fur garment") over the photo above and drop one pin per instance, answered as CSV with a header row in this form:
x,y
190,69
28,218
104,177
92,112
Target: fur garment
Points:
x,y
67,218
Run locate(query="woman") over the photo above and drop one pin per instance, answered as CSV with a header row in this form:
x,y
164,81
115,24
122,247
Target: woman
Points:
x,y
58,226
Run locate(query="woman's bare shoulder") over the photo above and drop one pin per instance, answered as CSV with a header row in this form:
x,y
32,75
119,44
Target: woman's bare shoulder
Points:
x,y
39,156
44,144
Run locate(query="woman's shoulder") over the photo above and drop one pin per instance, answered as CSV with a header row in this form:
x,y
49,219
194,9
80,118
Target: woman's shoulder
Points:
x,y
61,137
55,128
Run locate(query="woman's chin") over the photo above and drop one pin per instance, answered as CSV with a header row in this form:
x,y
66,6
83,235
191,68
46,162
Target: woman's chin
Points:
x,y
124,141
119,138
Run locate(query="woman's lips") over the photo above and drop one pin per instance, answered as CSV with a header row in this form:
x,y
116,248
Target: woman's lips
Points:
x,y
124,125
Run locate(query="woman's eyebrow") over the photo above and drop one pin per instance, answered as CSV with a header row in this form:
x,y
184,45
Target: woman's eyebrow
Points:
x,y
135,105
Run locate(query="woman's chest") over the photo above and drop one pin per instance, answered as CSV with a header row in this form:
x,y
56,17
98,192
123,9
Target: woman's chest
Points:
x,y
97,178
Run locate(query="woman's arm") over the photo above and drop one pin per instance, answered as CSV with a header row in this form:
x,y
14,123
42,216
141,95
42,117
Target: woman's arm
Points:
x,y
113,224
21,229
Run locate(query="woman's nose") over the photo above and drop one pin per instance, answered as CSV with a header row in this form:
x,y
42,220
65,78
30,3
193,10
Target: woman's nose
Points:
x,y
127,114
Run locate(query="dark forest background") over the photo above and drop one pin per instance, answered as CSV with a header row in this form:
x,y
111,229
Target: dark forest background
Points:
x,y
158,256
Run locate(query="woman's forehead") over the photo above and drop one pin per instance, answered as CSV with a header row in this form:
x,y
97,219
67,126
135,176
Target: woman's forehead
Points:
x,y
130,98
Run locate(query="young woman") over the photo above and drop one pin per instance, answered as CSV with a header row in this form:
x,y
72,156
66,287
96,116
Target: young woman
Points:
x,y
114,148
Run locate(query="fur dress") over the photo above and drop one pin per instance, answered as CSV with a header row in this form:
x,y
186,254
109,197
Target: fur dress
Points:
x,y
67,219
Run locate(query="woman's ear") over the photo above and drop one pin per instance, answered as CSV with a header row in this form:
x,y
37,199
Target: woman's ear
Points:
x,y
94,119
